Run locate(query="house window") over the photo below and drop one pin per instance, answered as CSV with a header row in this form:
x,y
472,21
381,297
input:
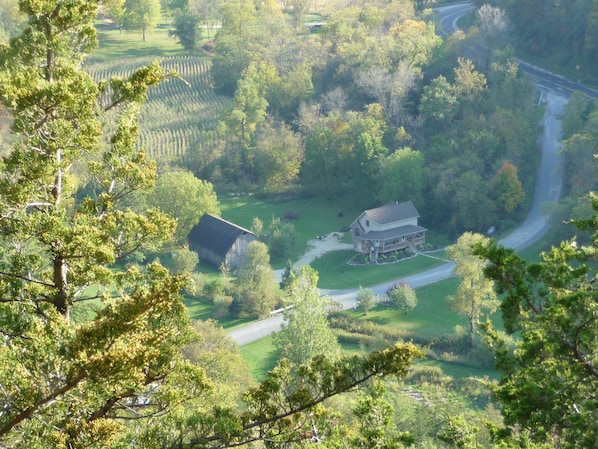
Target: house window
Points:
x,y
356,232
367,223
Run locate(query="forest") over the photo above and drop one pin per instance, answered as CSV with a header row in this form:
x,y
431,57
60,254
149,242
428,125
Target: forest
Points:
x,y
561,34
365,102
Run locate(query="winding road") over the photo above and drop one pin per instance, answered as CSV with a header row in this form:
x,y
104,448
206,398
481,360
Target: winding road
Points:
x,y
554,91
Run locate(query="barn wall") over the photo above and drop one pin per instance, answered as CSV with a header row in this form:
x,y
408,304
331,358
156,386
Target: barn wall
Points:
x,y
236,254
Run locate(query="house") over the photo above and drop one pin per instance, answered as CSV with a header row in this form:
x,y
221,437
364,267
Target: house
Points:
x,y
216,240
391,227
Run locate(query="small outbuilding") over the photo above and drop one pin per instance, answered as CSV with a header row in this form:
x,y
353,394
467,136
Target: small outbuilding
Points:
x,y
391,227
216,240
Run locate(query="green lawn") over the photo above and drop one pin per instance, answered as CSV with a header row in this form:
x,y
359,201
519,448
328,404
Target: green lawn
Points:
x,y
432,317
336,274
261,357
317,216
115,44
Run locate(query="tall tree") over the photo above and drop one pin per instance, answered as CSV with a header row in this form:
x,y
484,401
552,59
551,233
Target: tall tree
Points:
x,y
507,189
403,177
549,381
65,384
254,293
141,15
116,11
306,332
475,294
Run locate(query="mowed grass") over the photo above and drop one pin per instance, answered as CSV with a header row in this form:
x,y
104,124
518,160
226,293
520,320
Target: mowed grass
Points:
x,y
261,356
336,274
431,318
116,44
317,216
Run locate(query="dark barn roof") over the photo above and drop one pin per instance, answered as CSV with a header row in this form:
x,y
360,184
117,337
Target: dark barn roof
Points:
x,y
215,234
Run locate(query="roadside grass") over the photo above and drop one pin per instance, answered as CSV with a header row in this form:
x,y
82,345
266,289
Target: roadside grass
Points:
x,y
336,274
261,356
431,318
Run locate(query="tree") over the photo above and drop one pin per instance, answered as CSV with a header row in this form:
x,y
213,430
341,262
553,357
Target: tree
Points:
x,y
377,429
507,189
141,15
403,177
475,294
186,30
185,198
282,238
439,102
278,155
549,381
469,83
184,260
403,297
67,384
365,299
116,11
254,294
306,332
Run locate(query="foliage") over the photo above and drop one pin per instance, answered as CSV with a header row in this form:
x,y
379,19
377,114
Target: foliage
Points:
x,y
184,260
475,294
254,293
64,383
186,30
403,297
540,30
376,426
141,15
306,332
507,189
550,379
282,238
185,198
365,299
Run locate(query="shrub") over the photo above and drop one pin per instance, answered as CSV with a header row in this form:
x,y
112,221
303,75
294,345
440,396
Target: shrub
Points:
x,y
403,297
291,216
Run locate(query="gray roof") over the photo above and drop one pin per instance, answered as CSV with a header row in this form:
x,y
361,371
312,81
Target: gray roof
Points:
x,y
392,212
215,234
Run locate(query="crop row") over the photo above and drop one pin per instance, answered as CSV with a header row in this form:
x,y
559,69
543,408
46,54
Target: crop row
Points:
x,y
181,113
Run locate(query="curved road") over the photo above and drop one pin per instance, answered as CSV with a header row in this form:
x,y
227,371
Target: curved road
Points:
x,y
548,188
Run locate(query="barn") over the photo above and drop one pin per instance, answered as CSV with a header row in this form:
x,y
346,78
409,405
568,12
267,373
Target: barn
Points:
x,y
216,240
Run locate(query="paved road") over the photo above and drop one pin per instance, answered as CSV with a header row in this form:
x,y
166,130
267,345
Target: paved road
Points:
x,y
449,15
548,190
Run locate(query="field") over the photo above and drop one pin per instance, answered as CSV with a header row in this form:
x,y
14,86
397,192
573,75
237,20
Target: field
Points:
x,y
179,120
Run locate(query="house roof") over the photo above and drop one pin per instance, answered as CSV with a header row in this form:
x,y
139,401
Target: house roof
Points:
x,y
391,212
215,234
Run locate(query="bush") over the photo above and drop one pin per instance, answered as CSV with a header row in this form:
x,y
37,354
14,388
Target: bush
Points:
x,y
221,306
291,216
282,240
403,297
